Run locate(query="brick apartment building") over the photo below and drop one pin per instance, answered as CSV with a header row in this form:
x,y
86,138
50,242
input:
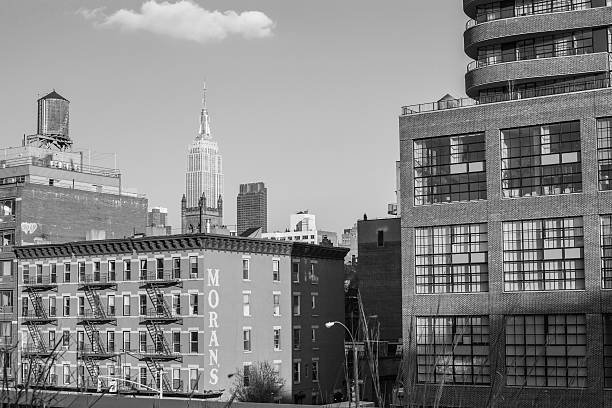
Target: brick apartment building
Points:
x,y
506,207
197,308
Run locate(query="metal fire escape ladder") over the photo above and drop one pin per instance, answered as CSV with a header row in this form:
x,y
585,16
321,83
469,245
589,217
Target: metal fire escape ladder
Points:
x,y
155,368
33,328
93,334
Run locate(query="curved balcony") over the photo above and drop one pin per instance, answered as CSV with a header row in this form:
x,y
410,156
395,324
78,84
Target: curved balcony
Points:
x,y
516,28
470,7
482,77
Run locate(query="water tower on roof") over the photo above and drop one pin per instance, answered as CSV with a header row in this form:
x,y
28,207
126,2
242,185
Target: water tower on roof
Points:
x,y
53,121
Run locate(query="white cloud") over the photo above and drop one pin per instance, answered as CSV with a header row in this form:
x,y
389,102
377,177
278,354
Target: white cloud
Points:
x,y
185,20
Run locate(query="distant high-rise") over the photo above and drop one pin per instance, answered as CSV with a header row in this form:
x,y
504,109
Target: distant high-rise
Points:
x,y
252,207
202,204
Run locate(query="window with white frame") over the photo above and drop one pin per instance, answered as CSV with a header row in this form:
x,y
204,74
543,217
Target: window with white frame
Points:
x,y
246,303
246,339
277,339
245,269
276,304
275,270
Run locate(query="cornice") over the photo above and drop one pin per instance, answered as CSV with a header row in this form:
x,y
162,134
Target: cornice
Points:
x,y
154,244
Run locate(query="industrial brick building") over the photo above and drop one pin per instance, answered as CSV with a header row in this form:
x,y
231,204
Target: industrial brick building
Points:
x,y
506,207
197,308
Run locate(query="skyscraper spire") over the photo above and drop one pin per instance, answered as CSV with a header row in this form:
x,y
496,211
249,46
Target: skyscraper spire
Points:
x,y
204,131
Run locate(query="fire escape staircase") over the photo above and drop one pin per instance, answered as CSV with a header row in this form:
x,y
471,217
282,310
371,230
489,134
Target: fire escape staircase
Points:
x,y
90,321
161,314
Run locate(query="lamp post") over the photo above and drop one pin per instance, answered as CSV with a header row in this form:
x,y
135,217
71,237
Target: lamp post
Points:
x,y
355,359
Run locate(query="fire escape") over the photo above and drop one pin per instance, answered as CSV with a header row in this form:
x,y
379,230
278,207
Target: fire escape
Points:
x,y
36,352
92,320
160,315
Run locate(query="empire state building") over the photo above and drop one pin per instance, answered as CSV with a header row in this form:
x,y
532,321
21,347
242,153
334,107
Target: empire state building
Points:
x,y
202,203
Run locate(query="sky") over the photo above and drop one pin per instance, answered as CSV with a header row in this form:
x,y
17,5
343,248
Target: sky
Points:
x,y
303,95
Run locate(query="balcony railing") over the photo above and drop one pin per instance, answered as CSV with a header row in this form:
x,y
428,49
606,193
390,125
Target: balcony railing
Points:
x,y
159,313
99,350
158,351
30,315
99,315
97,278
527,56
502,14
159,276
504,97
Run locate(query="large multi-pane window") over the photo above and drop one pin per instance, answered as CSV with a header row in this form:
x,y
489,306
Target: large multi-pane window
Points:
x,y
541,160
544,254
497,10
451,259
604,153
450,168
607,343
453,350
546,351
606,251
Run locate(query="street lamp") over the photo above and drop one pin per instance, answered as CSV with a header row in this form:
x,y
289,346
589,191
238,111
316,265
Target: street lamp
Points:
x,y
355,360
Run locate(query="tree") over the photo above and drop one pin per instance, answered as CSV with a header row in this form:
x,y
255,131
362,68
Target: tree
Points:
x,y
259,382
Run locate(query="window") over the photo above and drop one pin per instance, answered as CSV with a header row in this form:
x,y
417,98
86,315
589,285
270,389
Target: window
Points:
x,y
246,339
541,160
112,273
314,279
51,339
81,267
7,209
450,169
142,341
80,340
453,350
607,350
543,254
110,341
295,272
246,375
53,272
176,304
296,304
313,300
275,270
193,379
176,378
296,372
52,306
143,376
81,309
314,330
193,267
66,272
451,259
66,372
315,370
127,343
606,251
127,269
246,304
66,338
7,237
604,152
66,306
6,269
193,341
143,270
546,351
245,269
127,303
96,271
111,305
143,304
380,238
193,304
25,306
159,268
277,339
276,304
297,341
176,342
176,268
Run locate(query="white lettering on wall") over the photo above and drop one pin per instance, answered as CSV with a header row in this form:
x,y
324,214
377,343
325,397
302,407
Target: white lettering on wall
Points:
x,y
213,342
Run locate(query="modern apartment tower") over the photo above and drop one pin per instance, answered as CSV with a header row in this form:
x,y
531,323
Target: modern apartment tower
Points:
x,y
202,203
252,207
506,225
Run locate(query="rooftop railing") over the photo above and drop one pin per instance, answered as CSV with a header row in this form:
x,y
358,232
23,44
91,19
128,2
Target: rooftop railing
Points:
x,y
518,94
501,14
75,167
